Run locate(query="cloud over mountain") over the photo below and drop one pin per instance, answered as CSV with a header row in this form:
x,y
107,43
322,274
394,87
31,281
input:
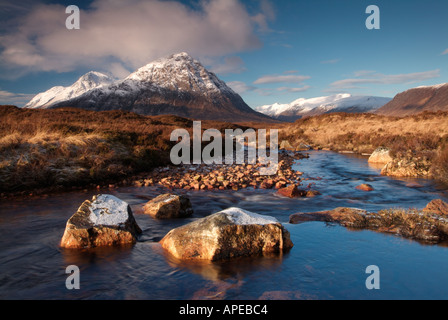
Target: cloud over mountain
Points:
x,y
129,33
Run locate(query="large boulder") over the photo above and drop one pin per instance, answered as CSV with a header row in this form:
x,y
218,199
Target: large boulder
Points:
x,y
169,206
104,221
227,234
380,155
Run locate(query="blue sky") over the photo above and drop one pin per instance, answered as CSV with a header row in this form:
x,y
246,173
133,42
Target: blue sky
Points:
x,y
268,51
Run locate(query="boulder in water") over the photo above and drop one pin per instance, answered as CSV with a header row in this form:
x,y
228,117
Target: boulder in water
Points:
x,y
104,221
380,155
169,206
227,234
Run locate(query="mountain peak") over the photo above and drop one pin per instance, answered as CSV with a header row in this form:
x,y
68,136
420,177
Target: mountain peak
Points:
x,y
86,82
178,72
94,76
176,84
180,55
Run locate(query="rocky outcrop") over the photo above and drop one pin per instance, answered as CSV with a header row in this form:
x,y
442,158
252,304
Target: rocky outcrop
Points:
x,y
423,225
380,155
437,206
169,206
227,234
406,168
103,221
348,217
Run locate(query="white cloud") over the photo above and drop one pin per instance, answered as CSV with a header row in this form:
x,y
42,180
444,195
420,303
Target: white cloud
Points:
x,y
292,90
266,14
18,99
232,64
371,77
128,34
240,87
363,73
445,52
281,79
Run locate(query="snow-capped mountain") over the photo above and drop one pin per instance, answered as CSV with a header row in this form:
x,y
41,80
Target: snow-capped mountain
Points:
x,y
58,94
416,100
343,102
177,85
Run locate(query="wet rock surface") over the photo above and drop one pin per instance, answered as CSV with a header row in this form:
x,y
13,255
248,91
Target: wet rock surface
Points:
x,y
169,206
227,234
427,225
103,221
380,155
224,177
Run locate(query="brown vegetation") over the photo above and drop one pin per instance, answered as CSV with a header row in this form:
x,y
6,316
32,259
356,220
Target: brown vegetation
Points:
x,y
74,147
422,138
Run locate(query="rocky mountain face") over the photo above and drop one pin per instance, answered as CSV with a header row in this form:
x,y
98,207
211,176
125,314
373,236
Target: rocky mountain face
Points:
x,y
320,105
416,100
176,85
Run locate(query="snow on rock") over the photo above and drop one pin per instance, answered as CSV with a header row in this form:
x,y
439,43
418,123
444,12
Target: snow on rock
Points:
x,y
227,234
108,210
103,221
242,217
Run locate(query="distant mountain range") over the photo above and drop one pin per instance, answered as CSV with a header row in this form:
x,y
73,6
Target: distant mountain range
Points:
x,y
180,85
315,106
177,85
416,100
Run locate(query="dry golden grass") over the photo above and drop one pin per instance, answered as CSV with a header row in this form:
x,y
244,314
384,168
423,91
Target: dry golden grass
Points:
x,y
74,147
421,138
366,132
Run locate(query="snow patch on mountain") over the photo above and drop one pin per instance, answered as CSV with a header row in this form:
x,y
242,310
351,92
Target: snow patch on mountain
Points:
x,y
436,86
177,84
343,102
190,75
57,94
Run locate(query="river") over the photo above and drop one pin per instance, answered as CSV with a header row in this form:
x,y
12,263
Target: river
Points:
x,y
326,262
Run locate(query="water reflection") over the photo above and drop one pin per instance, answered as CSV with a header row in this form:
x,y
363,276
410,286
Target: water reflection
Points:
x,y
325,262
100,255
222,271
